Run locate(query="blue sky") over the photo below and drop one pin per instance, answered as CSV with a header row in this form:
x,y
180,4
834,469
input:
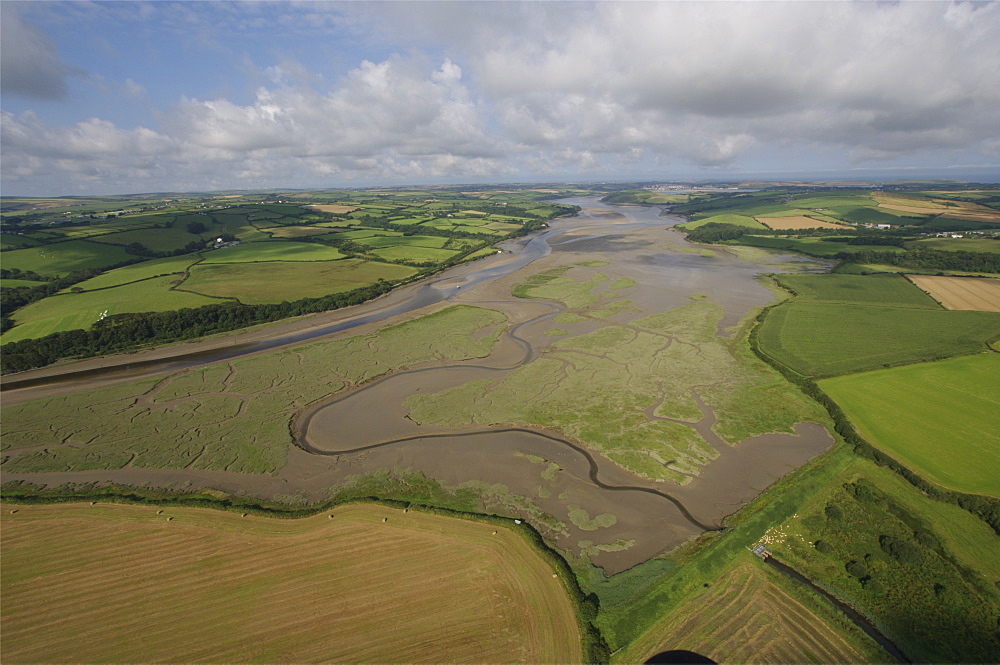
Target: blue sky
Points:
x,y
117,97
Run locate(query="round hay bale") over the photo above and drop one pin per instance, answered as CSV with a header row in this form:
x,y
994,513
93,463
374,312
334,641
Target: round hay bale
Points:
x,y
385,519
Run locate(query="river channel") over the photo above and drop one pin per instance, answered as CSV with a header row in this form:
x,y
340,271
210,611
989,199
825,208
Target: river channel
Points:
x,y
626,519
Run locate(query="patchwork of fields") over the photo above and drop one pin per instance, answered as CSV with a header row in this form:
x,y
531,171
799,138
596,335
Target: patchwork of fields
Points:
x,y
640,389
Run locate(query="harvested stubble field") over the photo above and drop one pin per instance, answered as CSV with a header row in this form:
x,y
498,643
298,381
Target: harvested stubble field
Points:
x,y
79,585
797,222
979,294
941,419
745,616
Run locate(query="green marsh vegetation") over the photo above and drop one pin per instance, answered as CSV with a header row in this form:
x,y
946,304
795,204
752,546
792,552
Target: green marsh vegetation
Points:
x,y
233,416
630,390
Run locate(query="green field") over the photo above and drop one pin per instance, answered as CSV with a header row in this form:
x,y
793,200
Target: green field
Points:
x,y
18,283
272,251
136,272
941,419
925,570
958,244
64,257
811,246
735,220
81,310
413,253
158,240
817,339
848,323
289,281
886,290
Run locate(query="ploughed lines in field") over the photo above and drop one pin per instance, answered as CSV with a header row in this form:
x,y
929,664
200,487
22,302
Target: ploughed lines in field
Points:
x,y
745,617
353,588
979,294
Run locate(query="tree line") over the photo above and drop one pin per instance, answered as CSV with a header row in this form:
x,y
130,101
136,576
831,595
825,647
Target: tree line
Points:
x,y
121,332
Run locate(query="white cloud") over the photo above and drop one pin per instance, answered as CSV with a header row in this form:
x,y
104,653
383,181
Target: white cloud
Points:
x,y
522,90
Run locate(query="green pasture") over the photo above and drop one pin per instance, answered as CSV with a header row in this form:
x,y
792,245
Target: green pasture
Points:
x,y
18,283
137,271
726,218
246,428
253,284
826,339
293,232
71,311
941,419
238,225
14,241
922,570
957,244
158,240
380,242
361,234
413,253
812,246
833,200
886,290
272,251
64,257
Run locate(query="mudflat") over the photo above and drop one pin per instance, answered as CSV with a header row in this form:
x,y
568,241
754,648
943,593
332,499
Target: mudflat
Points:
x,y
618,409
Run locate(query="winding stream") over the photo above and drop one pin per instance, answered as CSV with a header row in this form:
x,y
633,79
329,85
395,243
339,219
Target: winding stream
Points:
x,y
626,519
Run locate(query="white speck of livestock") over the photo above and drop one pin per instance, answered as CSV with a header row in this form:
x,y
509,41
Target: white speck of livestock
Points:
x,y
517,521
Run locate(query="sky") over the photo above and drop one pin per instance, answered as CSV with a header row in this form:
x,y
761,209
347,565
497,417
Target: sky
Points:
x,y
129,97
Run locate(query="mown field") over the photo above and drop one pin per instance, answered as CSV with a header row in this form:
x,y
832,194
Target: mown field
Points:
x,y
748,615
982,295
924,571
79,585
850,323
941,419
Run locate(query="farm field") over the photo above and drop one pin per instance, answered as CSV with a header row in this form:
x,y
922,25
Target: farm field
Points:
x,y
850,323
981,294
173,265
746,616
64,257
958,244
288,281
926,569
70,311
79,586
796,222
272,251
941,419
